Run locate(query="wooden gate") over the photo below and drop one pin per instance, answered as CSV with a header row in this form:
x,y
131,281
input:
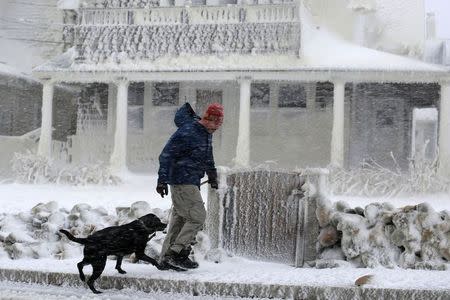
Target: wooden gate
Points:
x,y
264,215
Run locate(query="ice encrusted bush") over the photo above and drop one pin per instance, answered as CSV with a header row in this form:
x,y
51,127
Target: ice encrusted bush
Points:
x,y
415,237
372,179
32,168
35,234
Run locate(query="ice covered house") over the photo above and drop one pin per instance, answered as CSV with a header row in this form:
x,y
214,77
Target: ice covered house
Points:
x,y
304,83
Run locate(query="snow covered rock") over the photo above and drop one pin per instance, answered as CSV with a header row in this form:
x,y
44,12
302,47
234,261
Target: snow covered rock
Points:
x,y
409,237
139,209
328,236
331,263
35,234
217,255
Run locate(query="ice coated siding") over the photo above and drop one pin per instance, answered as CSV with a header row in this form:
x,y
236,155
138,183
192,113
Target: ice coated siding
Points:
x,y
20,102
30,32
20,107
381,121
396,26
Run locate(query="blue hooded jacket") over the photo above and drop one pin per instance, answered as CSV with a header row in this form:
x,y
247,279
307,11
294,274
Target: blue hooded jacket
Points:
x,y
188,154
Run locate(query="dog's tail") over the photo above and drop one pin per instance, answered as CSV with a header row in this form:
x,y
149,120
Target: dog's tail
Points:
x,y
72,238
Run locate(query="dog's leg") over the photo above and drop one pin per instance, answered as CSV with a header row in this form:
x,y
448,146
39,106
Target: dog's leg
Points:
x,y
119,265
80,266
98,266
142,256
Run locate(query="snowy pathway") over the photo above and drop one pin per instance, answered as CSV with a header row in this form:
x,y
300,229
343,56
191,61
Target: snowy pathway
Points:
x,y
25,291
240,270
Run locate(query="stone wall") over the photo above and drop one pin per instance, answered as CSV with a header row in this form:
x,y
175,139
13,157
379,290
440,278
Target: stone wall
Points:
x,y
379,234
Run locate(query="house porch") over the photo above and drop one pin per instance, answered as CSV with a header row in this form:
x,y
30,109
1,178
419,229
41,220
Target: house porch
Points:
x,y
291,119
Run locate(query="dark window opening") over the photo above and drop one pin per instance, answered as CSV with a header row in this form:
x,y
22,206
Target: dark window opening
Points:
x,y
166,94
260,95
292,95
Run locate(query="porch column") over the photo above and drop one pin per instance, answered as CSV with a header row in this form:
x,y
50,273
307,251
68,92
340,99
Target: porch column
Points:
x,y
119,153
112,97
337,136
45,141
243,143
148,106
444,130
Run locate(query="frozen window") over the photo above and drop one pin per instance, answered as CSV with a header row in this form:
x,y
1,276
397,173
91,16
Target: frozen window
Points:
x,y
324,94
260,95
166,93
292,95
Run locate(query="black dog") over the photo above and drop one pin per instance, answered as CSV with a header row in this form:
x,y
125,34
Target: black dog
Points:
x,y
119,241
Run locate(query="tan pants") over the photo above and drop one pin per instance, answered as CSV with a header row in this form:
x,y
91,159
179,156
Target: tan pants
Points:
x,y
188,217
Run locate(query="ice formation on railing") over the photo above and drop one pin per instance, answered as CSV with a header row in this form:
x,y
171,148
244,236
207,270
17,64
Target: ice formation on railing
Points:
x,y
126,3
98,44
115,35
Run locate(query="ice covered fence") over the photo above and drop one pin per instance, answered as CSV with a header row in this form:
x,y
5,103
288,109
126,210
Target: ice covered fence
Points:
x,y
285,217
268,215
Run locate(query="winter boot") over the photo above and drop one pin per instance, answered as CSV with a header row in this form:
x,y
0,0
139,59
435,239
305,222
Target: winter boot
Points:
x,y
180,259
190,264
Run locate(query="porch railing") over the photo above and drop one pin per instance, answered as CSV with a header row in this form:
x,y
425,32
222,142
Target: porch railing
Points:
x,y
226,14
119,34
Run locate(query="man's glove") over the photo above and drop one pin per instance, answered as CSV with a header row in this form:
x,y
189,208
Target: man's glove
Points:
x,y
162,189
212,179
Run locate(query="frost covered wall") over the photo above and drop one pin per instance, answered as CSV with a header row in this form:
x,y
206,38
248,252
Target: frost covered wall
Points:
x,y
396,26
20,115
20,107
20,103
381,121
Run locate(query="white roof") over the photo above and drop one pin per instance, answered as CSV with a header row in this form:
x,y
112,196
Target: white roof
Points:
x,y
9,70
68,4
321,51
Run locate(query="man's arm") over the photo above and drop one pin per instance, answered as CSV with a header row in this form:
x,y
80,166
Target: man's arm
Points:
x,y
170,152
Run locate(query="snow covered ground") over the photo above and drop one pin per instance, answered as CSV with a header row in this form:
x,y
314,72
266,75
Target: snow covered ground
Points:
x,y
24,291
15,198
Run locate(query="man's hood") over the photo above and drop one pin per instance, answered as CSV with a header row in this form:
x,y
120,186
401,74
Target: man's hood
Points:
x,y
185,114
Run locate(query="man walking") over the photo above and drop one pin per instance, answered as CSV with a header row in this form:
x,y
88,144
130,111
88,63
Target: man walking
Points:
x,y
183,162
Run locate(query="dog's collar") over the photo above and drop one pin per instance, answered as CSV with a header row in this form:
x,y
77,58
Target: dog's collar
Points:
x,y
146,228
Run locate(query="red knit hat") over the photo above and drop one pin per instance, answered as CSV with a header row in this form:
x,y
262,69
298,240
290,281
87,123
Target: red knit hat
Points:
x,y
214,109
